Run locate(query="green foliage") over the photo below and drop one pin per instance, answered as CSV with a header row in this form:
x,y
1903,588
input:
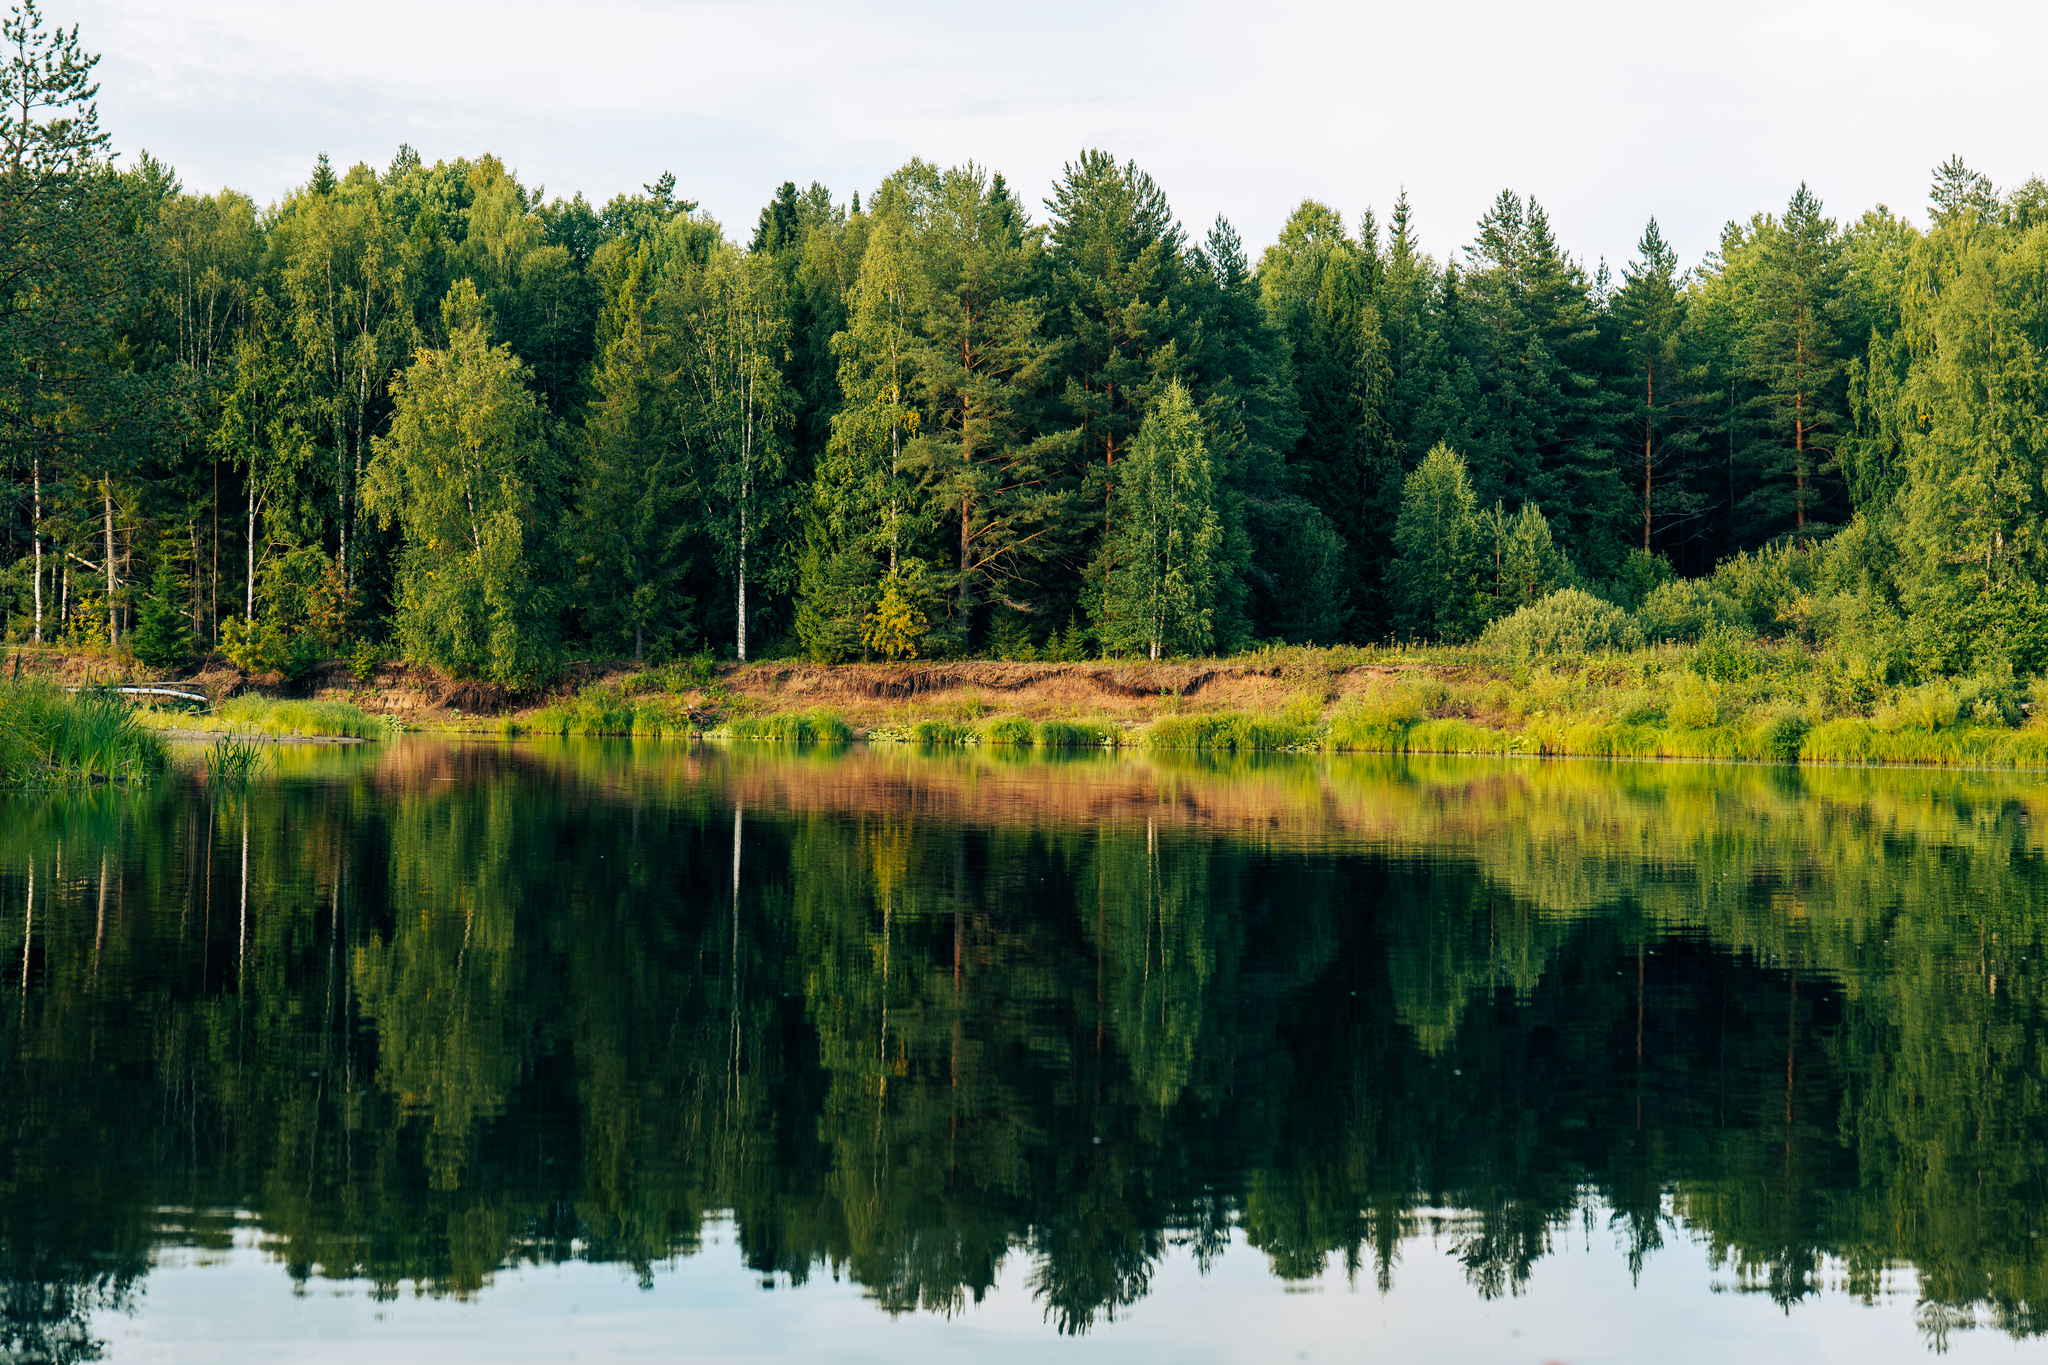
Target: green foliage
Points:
x,y
163,636
259,714
1008,730
1231,730
1076,734
800,727
1160,569
1568,621
1437,538
1686,609
49,737
896,627
466,466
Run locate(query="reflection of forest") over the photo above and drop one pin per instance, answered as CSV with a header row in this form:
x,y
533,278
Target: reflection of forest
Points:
x,y
447,1008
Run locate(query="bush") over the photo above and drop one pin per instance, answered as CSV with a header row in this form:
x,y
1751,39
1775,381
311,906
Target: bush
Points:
x,y
1685,609
1986,699
1725,655
1568,621
1782,735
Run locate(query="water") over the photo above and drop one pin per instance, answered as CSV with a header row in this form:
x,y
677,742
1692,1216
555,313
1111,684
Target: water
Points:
x,y
512,1052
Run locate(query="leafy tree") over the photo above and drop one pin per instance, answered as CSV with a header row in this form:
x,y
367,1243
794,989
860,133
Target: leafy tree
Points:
x,y
463,471
1160,580
1437,539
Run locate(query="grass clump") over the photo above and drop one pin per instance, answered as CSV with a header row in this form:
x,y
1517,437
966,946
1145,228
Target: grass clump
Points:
x,y
942,732
1076,734
792,727
49,737
604,709
1232,730
1009,730
270,716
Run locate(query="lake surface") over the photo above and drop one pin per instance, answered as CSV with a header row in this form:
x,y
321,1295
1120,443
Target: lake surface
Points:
x,y
490,1051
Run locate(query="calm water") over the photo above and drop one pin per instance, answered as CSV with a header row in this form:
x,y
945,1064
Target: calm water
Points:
x,y
429,1051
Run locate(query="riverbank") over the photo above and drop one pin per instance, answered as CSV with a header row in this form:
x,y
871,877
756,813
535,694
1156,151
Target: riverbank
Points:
x,y
1758,700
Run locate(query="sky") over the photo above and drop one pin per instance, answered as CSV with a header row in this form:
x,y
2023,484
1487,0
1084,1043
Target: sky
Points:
x,y
1608,113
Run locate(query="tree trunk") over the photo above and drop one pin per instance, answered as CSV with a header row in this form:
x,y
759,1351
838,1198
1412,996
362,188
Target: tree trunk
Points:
x,y
249,584
1649,406
113,614
37,465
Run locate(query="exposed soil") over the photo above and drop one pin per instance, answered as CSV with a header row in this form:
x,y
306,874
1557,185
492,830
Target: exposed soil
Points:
x,y
866,694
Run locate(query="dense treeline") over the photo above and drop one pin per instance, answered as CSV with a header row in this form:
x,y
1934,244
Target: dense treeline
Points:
x,y
906,1043
429,408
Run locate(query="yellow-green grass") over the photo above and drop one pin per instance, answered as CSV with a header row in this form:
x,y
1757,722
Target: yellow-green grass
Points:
x,y
800,727
51,737
273,716
603,710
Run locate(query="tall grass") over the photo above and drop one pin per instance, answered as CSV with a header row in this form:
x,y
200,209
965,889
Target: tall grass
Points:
x,y
1077,734
1232,730
49,737
604,709
269,716
799,727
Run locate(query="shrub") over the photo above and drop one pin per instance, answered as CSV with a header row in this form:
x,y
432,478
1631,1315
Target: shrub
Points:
x,y
1725,655
1694,704
1685,609
1782,735
1568,621
1985,699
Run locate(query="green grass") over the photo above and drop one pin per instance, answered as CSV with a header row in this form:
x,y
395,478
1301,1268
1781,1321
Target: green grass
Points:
x,y
799,727
1231,730
1009,730
1077,734
270,716
50,737
603,709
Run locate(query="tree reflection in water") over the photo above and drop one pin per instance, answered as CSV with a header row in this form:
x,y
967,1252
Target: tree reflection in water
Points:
x,y
423,1011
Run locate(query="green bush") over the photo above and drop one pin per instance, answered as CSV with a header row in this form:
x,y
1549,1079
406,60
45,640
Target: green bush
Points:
x,y
1567,621
1782,735
1685,609
1725,654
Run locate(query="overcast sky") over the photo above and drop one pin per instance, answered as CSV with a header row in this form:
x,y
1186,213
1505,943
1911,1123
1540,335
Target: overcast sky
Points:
x,y
1607,112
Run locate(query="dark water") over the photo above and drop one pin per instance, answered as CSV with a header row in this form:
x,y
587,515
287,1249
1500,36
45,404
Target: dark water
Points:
x,y
426,1051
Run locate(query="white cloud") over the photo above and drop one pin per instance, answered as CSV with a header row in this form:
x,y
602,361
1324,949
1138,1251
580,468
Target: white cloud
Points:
x,y
1607,112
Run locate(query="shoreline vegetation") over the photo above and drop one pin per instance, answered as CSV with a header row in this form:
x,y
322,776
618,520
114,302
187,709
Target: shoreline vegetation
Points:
x,y
1724,698
1755,701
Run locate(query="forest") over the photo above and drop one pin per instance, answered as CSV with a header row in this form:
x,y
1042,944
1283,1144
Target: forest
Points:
x,y
428,410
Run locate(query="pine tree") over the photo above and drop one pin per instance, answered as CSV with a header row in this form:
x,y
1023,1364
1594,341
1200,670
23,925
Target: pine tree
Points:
x,y
1651,383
